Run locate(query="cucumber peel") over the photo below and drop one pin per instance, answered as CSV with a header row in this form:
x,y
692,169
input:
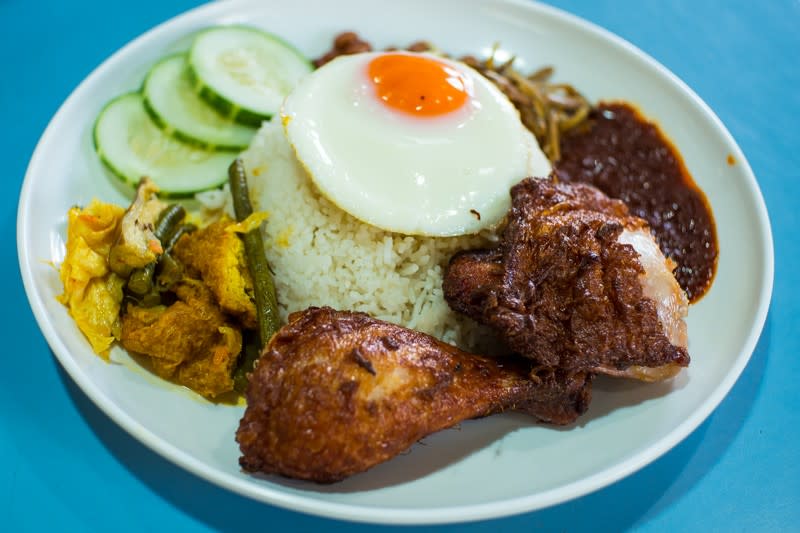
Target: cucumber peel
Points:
x,y
173,104
169,132
132,146
243,72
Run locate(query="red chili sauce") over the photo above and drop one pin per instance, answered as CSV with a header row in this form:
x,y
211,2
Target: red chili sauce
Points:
x,y
629,158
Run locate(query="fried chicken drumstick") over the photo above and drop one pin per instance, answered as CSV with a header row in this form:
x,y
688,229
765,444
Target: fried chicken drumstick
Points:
x,y
576,283
337,392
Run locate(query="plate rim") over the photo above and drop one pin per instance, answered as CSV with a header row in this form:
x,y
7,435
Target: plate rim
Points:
x,y
377,514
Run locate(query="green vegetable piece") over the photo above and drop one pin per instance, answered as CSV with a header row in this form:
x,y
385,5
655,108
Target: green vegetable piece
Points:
x,y
170,272
140,281
250,354
131,145
266,300
174,105
243,72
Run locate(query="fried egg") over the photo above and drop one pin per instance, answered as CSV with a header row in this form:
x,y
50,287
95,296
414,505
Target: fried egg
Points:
x,y
411,143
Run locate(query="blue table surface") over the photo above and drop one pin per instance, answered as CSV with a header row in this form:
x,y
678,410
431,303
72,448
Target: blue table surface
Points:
x,y
65,466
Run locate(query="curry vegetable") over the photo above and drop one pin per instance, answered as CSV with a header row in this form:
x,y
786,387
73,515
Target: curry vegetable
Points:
x,y
140,281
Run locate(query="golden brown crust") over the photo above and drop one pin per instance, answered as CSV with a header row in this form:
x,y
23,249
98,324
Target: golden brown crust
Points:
x,y
338,392
560,289
630,158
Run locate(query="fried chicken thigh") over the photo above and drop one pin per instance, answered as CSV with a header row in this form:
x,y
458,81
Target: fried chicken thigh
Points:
x,y
337,392
576,283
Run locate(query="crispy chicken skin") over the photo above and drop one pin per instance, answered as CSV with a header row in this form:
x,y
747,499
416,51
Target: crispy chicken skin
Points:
x,y
576,284
337,392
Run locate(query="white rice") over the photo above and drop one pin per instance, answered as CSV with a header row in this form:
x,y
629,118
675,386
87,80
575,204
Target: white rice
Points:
x,y
321,255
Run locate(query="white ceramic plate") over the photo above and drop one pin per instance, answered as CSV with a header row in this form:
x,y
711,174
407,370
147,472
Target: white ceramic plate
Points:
x,y
486,468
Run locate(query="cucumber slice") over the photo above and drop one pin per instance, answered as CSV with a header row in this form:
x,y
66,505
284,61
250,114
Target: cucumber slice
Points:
x,y
176,108
245,73
132,146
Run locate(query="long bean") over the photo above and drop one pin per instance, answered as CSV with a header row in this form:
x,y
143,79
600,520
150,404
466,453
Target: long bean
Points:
x,y
266,301
140,281
250,354
169,242
170,271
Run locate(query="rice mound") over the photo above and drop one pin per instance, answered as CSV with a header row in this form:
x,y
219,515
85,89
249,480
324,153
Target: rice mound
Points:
x,y
321,255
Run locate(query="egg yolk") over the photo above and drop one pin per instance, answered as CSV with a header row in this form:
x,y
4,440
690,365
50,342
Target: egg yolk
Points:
x,y
418,85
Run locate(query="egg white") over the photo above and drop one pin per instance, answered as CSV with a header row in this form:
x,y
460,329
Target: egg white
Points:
x,y
441,176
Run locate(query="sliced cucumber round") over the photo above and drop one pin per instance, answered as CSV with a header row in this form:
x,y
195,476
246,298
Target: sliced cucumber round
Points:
x,y
176,108
132,146
245,73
